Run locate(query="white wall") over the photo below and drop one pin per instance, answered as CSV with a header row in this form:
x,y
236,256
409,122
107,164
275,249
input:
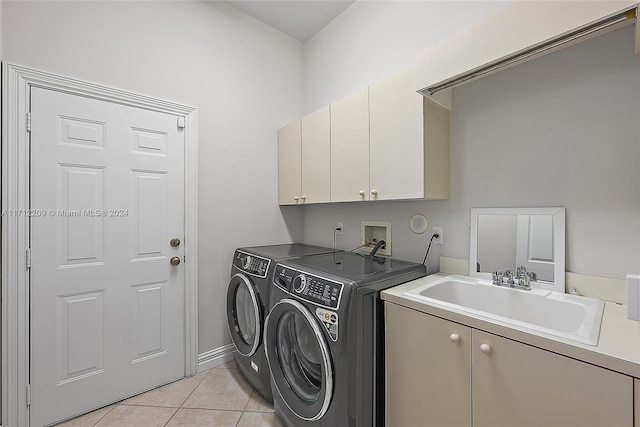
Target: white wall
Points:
x,y
371,40
244,77
1,31
562,130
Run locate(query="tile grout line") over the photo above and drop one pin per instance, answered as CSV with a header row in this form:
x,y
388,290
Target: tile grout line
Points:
x,y
171,417
102,417
208,371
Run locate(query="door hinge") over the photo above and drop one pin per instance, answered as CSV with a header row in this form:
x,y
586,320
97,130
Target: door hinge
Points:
x,y
29,258
28,121
28,394
181,122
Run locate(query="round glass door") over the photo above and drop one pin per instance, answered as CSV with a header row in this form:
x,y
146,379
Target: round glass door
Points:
x,y
299,359
244,315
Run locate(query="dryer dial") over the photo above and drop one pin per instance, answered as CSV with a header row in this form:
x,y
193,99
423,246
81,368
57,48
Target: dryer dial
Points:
x,y
299,283
245,262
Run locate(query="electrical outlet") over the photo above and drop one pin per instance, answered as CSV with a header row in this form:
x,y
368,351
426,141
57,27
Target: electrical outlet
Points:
x,y
440,239
341,227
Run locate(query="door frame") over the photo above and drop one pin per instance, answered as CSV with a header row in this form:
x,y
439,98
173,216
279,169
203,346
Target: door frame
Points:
x,y
16,84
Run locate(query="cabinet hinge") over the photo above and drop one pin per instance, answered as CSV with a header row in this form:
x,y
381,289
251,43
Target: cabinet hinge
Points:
x,y
28,121
28,394
181,122
29,258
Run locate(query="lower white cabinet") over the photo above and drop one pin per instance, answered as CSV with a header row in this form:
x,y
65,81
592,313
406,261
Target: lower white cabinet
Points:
x,y
637,399
428,370
440,373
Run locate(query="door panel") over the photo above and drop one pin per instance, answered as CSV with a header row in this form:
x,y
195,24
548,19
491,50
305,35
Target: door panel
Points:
x,y
81,331
81,236
106,305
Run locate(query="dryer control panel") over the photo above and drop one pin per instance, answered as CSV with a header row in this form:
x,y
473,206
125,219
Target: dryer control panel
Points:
x,y
251,264
312,288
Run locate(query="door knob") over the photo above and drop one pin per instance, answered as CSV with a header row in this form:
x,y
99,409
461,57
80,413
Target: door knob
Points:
x,y
175,242
175,260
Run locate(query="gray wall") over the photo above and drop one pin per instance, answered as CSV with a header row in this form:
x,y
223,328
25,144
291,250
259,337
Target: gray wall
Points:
x,y
244,77
562,130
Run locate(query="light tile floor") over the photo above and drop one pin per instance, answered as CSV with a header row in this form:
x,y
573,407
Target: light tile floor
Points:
x,y
219,397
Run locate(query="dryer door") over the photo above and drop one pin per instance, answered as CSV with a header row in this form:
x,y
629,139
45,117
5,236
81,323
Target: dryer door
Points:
x,y
299,359
244,314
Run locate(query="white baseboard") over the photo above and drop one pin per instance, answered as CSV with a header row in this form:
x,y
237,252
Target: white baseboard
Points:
x,y
215,357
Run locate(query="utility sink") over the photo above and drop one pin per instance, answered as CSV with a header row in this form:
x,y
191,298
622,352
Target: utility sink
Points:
x,y
566,316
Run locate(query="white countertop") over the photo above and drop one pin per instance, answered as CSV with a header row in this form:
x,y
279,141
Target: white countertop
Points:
x,y
618,347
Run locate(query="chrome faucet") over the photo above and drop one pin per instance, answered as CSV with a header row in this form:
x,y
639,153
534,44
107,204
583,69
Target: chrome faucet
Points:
x,y
522,279
500,275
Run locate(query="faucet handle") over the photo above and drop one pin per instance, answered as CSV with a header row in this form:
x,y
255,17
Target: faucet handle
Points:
x,y
497,278
521,270
524,281
532,276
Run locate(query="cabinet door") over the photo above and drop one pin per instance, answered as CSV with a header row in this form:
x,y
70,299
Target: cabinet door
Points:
x,y
428,370
515,385
316,157
637,400
350,148
396,143
289,164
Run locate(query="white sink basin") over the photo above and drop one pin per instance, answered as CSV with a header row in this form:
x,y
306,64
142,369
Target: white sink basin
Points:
x,y
566,316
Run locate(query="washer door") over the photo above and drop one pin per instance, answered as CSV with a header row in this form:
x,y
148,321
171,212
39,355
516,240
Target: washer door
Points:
x,y
299,359
244,314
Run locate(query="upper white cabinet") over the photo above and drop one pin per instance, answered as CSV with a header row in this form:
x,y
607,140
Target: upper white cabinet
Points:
x,y
386,142
350,148
521,31
289,164
316,157
304,160
409,142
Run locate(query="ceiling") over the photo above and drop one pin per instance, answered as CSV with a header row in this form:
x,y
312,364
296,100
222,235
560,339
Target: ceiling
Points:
x,y
301,19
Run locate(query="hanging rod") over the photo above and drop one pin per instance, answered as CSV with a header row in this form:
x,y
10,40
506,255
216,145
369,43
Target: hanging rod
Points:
x,y
618,20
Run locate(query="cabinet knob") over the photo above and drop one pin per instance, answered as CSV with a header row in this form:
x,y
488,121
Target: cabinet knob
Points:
x,y
454,338
374,192
485,348
361,193
303,197
296,198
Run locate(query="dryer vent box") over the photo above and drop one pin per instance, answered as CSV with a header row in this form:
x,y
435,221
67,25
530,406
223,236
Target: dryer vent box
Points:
x,y
374,231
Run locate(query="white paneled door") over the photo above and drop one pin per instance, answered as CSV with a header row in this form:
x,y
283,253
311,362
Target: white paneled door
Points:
x,y
107,303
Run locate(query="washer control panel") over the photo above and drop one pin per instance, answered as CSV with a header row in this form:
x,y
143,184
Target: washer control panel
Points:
x,y
315,289
251,264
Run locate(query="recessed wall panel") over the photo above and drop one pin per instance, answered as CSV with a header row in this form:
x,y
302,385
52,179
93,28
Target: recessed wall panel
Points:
x,y
81,335
81,228
76,131
148,336
150,199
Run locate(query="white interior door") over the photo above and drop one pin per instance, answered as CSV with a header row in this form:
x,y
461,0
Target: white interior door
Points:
x,y
107,195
